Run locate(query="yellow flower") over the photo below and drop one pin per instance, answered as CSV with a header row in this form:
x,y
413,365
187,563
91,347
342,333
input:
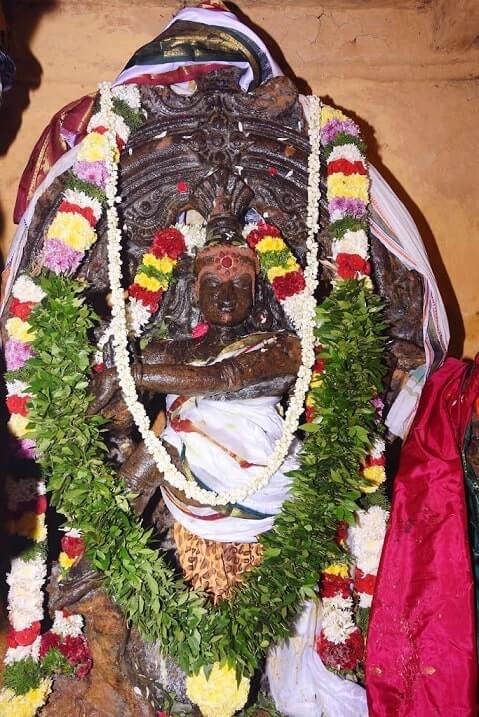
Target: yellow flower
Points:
x,y
27,705
328,113
65,561
219,695
165,264
94,148
73,230
18,425
375,475
150,283
32,526
270,244
20,330
309,400
337,569
276,271
316,380
353,185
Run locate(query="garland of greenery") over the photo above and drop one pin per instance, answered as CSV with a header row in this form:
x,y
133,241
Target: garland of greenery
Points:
x,y
325,488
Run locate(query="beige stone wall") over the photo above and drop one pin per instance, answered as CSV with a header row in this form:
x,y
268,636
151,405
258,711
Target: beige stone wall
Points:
x,y
407,69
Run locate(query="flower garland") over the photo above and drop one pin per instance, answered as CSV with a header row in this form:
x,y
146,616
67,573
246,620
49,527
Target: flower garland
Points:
x,y
325,487
305,329
280,267
153,277
340,642
27,680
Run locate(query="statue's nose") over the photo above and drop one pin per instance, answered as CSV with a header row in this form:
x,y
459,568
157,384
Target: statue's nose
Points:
x,y
226,297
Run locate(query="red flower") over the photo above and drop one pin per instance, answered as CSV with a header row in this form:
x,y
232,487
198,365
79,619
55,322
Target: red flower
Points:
x,y
310,414
364,582
99,367
370,461
182,186
86,212
200,330
22,309
49,641
346,167
350,265
272,171
332,585
41,504
73,547
288,285
24,637
168,242
150,299
319,365
261,231
346,655
18,404
75,649
341,532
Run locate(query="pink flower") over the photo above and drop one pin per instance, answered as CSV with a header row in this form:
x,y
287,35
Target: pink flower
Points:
x,y
200,329
94,172
60,258
17,354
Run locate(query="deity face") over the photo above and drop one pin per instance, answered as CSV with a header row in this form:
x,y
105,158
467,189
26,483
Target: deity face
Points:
x,y
225,284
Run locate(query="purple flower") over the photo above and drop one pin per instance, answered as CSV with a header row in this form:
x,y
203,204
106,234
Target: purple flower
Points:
x,y
26,449
17,354
348,206
94,172
335,126
60,258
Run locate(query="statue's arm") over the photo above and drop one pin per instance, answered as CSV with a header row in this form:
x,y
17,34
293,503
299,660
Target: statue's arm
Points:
x,y
280,358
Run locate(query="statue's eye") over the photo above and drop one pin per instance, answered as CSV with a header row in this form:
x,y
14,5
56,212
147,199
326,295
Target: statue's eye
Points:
x,y
210,282
243,282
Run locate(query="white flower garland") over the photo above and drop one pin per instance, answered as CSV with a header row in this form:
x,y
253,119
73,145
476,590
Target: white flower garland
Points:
x,y
119,322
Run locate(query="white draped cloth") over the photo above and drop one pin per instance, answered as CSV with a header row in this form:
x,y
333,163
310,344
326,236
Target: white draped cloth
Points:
x,y
225,445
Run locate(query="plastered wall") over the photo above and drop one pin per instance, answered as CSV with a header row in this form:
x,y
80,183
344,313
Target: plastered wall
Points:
x,y
407,70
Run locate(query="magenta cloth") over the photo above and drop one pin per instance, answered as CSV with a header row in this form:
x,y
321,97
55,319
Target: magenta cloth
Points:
x,y
421,653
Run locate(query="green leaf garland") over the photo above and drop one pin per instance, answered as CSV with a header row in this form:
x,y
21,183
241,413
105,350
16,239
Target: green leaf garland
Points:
x,y
325,487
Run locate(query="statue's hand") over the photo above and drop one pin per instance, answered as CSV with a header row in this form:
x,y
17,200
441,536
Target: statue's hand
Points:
x,y
105,388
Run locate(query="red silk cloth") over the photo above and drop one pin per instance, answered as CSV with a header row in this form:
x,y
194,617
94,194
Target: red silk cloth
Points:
x,y
421,654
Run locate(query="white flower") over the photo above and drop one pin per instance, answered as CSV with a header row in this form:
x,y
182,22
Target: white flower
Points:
x,y
365,600
378,448
70,625
17,388
293,307
346,151
75,196
118,124
129,94
337,625
15,654
351,243
25,289
338,602
194,236
137,315
366,538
